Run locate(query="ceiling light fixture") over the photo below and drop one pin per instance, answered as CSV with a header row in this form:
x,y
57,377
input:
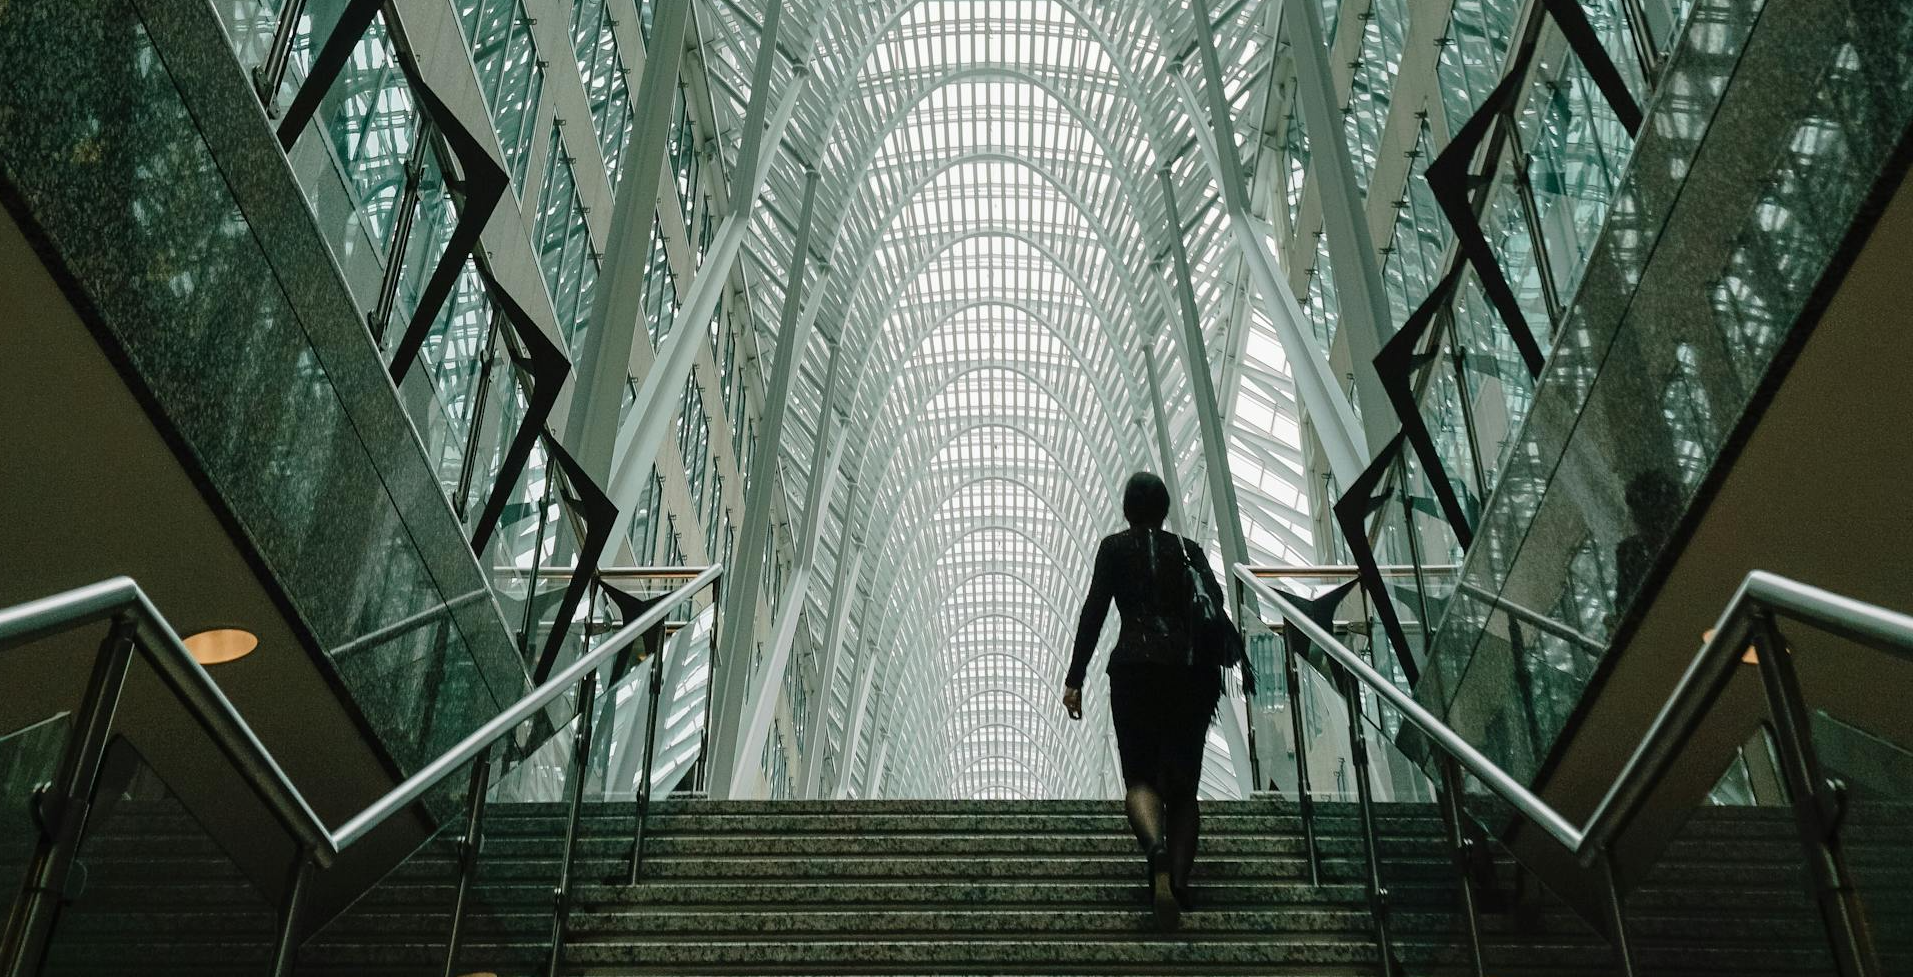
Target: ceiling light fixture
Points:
x,y
216,646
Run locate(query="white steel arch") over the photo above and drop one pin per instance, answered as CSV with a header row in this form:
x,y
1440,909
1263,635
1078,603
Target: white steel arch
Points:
x,y
1043,227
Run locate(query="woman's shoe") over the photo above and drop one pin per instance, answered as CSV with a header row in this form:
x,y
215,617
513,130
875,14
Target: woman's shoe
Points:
x,y
1163,894
1185,897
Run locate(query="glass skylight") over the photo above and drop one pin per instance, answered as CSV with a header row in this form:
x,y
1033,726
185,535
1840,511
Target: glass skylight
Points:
x,y
995,238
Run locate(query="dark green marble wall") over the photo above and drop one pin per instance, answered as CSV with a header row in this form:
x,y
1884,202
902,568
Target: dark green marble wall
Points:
x,y
131,142
1776,122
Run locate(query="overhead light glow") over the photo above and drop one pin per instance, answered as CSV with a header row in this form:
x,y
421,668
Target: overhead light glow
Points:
x,y
217,646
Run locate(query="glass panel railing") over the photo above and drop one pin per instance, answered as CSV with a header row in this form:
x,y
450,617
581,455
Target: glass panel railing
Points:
x,y
157,891
403,922
1730,890
535,542
1719,865
1877,776
484,897
29,757
219,878
510,913
495,882
1651,379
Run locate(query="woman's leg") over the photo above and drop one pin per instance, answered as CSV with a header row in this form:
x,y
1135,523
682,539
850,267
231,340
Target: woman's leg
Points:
x,y
1138,733
1144,807
1183,816
1184,823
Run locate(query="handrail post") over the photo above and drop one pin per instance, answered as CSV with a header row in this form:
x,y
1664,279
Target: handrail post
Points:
x,y
703,774
643,796
1293,679
1248,701
269,74
1816,805
468,848
285,951
1616,913
61,807
403,217
580,768
1365,799
1462,850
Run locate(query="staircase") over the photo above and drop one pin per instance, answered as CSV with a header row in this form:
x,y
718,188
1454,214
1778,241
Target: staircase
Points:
x,y
940,887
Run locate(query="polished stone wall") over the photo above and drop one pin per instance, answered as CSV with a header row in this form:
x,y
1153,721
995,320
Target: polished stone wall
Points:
x,y
132,144
1765,142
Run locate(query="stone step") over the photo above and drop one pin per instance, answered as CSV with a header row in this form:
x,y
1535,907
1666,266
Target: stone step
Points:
x,y
1348,864
1121,910
1123,916
1441,894
1126,914
1142,952
899,887
497,823
915,845
800,867
744,896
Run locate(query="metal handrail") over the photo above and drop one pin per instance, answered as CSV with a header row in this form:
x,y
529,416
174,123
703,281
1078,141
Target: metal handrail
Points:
x,y
605,573
122,599
1761,597
195,688
1477,763
139,627
1348,570
1533,618
1686,708
467,749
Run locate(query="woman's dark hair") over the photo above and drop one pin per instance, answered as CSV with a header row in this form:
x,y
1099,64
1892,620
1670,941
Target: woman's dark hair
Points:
x,y
1145,500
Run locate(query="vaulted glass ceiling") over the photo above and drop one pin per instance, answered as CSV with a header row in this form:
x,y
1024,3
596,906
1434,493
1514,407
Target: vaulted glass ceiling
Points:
x,y
990,284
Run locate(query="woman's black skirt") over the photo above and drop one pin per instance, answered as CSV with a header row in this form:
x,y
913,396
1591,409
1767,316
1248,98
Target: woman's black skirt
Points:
x,y
1162,715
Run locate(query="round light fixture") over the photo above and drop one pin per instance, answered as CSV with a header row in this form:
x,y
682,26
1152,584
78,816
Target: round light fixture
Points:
x,y
217,646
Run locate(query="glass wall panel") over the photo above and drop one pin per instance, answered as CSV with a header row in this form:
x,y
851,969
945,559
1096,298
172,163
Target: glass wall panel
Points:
x,y
602,67
510,72
563,239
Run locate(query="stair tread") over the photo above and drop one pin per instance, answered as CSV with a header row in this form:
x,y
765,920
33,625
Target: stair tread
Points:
x,y
899,887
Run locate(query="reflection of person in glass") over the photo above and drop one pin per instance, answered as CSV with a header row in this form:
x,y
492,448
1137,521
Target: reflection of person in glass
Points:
x,y
1161,699
1653,503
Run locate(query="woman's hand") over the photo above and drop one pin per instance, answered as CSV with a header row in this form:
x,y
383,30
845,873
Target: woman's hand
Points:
x,y
1073,702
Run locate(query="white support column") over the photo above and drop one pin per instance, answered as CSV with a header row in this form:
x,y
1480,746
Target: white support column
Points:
x,y
769,684
1195,359
1162,440
827,662
617,309
650,415
1215,440
630,748
850,564
1321,395
879,765
1363,306
859,708
739,629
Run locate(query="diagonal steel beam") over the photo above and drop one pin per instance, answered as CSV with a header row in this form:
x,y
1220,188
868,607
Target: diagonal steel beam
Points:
x,y
1366,321
650,415
739,628
859,711
1178,519
1328,408
1215,448
617,309
768,684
